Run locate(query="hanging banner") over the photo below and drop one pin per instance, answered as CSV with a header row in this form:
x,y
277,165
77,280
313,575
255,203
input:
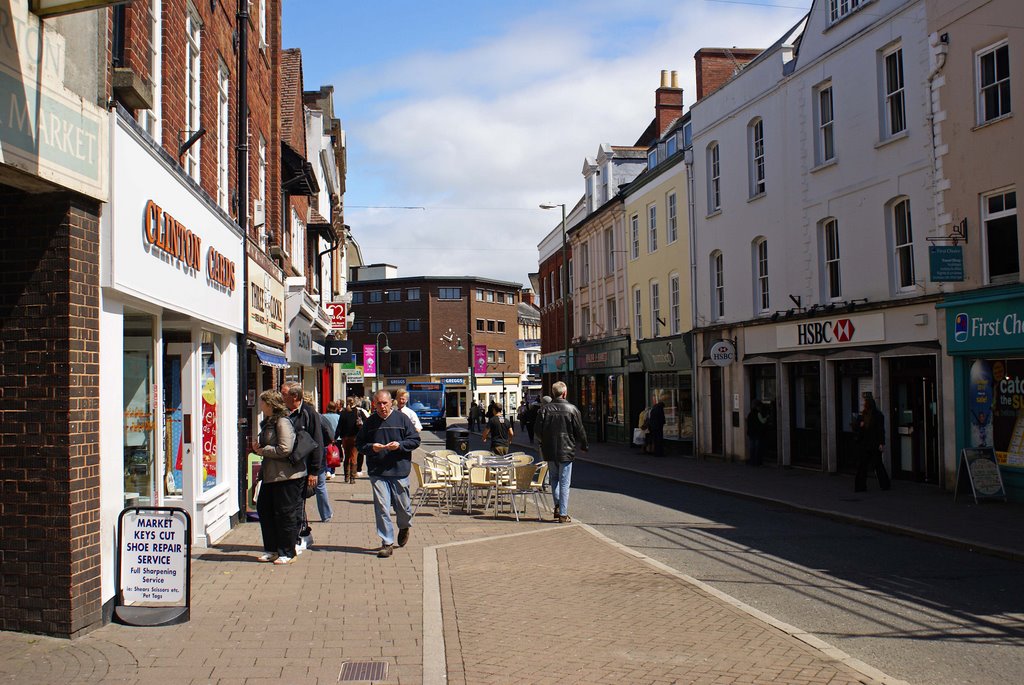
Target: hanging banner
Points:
x,y
479,359
370,361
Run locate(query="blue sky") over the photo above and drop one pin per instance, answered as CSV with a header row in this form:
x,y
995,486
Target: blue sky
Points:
x,y
479,111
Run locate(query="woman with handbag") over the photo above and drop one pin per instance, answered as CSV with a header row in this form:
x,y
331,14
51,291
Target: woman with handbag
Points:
x,y
282,481
349,422
331,416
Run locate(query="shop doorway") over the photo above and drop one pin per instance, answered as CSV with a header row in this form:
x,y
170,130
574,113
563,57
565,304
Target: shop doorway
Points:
x,y
178,413
913,419
454,403
717,412
853,382
805,414
763,388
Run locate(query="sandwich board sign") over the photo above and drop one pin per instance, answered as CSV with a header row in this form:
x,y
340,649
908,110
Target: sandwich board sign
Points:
x,y
978,466
154,566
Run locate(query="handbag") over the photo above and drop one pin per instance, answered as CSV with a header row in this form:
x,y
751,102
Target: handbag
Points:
x,y
638,436
333,457
304,446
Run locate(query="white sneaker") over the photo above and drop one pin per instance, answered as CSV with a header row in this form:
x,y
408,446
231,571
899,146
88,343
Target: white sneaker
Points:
x,y
299,548
266,557
282,560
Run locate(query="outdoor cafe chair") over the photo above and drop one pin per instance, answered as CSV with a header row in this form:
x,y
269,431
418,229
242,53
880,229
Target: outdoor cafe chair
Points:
x,y
521,485
520,458
430,488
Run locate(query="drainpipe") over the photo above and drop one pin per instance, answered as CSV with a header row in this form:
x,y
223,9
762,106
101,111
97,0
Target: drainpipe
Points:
x,y
242,164
691,212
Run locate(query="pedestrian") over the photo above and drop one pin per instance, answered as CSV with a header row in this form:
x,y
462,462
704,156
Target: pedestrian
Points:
x,y
474,416
490,409
330,417
350,420
401,400
869,426
560,428
656,425
281,483
388,440
641,422
364,413
305,418
499,431
757,427
531,419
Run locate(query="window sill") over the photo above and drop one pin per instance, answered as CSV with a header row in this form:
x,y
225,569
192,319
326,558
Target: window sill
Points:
x,y
990,122
715,213
824,165
892,139
754,198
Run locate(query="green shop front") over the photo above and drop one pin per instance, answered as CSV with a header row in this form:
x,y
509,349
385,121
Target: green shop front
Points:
x,y
985,338
601,378
668,370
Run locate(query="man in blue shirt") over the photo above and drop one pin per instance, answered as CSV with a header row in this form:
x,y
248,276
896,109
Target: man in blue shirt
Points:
x,y
388,440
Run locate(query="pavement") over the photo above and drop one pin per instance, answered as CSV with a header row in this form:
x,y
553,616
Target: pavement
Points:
x,y
477,599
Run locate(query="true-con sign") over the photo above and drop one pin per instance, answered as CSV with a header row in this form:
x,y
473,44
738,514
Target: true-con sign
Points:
x,y
338,312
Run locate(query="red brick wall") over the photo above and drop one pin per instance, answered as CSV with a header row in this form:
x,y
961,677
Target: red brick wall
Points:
x,y
715,66
552,323
49,428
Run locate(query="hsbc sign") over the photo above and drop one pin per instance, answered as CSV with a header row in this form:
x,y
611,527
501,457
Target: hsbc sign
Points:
x,y
849,330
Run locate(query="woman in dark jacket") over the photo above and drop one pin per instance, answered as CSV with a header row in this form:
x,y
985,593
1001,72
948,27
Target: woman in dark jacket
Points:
x,y
281,489
349,423
870,429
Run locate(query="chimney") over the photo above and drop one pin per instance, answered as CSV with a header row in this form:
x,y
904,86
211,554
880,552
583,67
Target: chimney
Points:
x,y
715,66
668,102
527,295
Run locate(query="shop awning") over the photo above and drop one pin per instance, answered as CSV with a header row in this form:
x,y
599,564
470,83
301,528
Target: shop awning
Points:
x,y
269,356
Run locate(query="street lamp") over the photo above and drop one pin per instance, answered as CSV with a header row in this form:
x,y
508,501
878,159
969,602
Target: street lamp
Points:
x,y
565,292
377,349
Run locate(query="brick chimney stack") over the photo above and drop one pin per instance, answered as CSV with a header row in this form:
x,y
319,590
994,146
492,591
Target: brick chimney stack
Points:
x,y
668,101
715,66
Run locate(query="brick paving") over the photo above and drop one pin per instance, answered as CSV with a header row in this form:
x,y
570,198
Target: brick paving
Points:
x,y
504,599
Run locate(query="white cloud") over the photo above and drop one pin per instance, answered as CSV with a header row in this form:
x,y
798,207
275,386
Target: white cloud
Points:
x,y
506,125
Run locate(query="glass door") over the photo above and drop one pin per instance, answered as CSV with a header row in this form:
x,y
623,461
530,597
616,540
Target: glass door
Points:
x,y
178,413
805,417
139,427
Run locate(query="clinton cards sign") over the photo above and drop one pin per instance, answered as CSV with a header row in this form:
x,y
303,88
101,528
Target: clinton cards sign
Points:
x,y
837,331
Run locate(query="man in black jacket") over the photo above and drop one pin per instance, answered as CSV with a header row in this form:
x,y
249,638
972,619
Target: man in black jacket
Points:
x,y
388,440
305,418
656,425
560,427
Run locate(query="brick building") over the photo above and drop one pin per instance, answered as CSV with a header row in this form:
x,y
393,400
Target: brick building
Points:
x,y
425,320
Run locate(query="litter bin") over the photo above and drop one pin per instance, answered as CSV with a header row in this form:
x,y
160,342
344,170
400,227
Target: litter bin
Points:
x,y
457,439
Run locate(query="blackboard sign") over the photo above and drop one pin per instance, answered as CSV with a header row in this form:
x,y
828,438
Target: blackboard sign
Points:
x,y
979,467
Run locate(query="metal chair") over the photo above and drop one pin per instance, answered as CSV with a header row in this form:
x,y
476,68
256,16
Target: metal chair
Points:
x,y
428,487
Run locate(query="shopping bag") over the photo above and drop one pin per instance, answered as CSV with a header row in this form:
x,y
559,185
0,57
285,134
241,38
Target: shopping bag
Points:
x,y
638,436
333,456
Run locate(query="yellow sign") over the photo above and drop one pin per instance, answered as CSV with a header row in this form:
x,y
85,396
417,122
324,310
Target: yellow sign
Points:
x,y
265,304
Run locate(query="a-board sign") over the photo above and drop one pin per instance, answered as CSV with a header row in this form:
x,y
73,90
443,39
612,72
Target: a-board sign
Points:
x,y
154,565
978,466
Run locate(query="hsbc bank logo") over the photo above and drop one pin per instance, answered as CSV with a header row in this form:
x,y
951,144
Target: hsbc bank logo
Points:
x,y
825,332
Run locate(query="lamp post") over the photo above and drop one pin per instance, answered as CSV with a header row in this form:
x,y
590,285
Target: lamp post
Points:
x,y
472,364
377,349
565,292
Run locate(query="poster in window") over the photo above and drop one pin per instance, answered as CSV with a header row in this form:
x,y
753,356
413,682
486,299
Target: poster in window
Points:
x,y
208,390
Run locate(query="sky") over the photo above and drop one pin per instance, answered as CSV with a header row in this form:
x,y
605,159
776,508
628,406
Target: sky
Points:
x,y
462,116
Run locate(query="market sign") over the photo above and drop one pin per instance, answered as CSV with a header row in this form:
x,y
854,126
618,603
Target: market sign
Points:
x,y
945,263
155,545
839,331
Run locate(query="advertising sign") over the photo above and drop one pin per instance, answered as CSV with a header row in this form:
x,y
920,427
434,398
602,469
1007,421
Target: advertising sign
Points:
x,y
353,375
265,304
369,361
945,263
453,380
723,353
337,351
155,546
480,359
338,314
984,326
842,330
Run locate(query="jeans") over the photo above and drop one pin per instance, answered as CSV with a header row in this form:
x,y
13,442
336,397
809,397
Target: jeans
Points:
x,y
388,492
560,474
323,504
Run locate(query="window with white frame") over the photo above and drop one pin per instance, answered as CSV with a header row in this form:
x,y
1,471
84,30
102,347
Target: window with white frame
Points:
x,y
687,134
993,82
672,144
655,309
830,256
652,228
449,293
895,106
671,218
903,245
714,179
298,253
585,256
193,28
585,321
638,329
612,314
763,301
223,146
824,114
150,118
634,236
837,9
263,23
999,219
489,295
570,282
261,190
500,327
590,193
674,304
717,285
501,356
412,294
609,248
755,136
652,158
394,295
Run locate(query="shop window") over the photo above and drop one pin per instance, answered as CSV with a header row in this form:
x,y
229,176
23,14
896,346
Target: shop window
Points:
x,y
139,418
678,415
588,398
999,217
615,400
209,384
992,397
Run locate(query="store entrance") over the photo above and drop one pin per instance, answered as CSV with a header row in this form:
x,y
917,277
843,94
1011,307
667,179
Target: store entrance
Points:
x,y
853,383
717,412
177,415
913,419
805,414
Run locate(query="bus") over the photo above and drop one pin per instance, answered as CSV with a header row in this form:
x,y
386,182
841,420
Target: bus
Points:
x,y
427,400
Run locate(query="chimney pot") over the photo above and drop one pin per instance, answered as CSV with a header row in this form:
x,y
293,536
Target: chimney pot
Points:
x,y
664,78
675,79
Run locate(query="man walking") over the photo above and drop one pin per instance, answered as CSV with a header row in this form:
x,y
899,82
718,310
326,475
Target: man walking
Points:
x,y
498,431
402,399
388,440
656,424
305,418
560,428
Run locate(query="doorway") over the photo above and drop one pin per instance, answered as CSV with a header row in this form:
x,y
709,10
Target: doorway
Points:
x,y
763,388
717,412
913,419
854,381
805,415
